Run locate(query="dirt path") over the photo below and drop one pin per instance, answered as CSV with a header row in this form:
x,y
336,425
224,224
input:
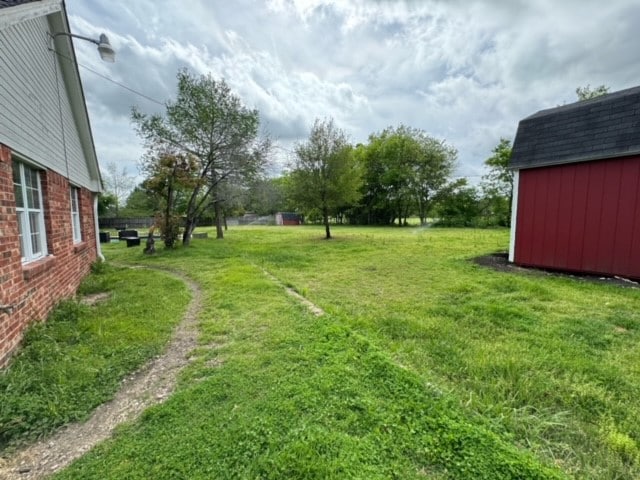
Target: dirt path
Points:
x,y
313,308
150,385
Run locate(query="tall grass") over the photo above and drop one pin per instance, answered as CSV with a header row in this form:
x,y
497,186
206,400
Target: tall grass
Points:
x,y
75,360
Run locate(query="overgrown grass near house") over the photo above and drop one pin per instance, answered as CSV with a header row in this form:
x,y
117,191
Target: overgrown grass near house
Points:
x,y
76,360
426,365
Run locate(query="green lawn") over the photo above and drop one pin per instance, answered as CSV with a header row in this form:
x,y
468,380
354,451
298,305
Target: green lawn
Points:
x,y
425,365
76,360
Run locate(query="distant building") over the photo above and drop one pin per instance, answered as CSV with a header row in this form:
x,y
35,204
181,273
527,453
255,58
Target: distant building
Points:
x,y
287,218
49,176
576,202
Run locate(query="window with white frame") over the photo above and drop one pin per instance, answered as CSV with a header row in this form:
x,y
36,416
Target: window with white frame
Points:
x,y
75,216
30,212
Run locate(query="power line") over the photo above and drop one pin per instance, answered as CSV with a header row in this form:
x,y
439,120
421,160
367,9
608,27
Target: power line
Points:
x,y
121,85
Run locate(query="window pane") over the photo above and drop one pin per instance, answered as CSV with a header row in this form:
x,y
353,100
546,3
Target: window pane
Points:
x,y
33,199
17,185
31,177
17,189
36,247
21,228
74,200
16,172
29,212
75,216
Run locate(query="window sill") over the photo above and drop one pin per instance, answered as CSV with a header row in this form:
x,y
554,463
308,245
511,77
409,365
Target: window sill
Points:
x,y
33,269
80,247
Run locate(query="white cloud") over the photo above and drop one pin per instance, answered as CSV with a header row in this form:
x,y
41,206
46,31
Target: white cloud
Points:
x,y
466,71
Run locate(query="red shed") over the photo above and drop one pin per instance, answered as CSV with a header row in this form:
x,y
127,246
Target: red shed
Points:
x,y
576,201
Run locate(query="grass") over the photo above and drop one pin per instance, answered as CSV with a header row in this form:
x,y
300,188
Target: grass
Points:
x,y
425,365
278,393
76,360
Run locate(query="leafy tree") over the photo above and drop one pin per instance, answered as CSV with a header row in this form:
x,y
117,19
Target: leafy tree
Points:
x,y
266,196
233,198
497,185
106,204
585,93
170,178
118,183
325,174
431,167
404,170
210,124
457,205
140,203
388,163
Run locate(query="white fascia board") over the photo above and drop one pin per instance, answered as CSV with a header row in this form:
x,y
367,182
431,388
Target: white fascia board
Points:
x,y
21,13
514,215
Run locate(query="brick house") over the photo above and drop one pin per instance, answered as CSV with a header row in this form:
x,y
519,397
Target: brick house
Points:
x,y
49,176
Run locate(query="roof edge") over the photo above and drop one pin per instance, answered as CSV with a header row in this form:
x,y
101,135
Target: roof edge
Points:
x,y
21,13
73,85
578,159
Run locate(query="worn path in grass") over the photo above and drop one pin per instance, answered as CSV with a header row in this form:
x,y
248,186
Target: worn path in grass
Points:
x,y
150,385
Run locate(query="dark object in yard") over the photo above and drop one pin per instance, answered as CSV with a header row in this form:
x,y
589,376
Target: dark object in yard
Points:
x,y
131,241
200,235
150,249
105,237
122,234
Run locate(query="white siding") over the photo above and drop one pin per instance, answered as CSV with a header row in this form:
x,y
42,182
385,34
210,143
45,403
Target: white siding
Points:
x,y
30,115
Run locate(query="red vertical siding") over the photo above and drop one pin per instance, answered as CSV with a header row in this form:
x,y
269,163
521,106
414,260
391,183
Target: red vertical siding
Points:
x,y
563,245
581,217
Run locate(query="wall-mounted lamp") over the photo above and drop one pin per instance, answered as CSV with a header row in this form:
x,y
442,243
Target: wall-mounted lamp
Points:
x,y
107,53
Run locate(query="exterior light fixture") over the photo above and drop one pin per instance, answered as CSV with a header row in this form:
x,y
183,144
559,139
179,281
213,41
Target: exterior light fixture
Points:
x,y
107,53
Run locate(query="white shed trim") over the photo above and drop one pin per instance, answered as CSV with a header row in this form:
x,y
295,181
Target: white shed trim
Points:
x,y
514,215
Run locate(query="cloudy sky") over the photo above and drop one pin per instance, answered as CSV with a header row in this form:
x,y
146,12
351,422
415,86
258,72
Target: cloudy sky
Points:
x,y
463,71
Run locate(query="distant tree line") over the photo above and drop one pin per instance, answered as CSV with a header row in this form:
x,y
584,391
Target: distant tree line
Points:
x,y
205,161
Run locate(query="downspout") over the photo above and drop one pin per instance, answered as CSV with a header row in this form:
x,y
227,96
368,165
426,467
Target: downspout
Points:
x,y
97,227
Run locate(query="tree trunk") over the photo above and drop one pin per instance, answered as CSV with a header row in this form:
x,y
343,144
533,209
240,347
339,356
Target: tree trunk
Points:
x,y
218,212
325,216
188,230
224,218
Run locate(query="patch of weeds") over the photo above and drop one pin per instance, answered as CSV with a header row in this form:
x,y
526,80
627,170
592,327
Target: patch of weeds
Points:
x,y
75,360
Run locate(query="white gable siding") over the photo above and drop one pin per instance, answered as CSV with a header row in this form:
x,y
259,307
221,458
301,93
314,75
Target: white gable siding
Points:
x,y
30,115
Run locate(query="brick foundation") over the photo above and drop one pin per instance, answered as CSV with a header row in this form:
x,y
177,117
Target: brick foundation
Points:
x,y
28,292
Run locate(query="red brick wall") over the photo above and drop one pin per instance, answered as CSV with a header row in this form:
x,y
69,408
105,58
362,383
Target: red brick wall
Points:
x,y
28,292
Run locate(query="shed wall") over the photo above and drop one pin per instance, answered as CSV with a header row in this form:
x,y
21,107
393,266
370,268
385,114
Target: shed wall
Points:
x,y
582,217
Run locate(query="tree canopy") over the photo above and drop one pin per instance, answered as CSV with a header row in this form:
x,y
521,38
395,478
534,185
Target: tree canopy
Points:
x,y
208,124
497,185
405,168
118,185
325,173
585,93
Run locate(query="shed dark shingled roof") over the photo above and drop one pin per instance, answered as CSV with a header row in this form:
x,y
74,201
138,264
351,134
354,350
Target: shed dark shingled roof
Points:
x,y
603,127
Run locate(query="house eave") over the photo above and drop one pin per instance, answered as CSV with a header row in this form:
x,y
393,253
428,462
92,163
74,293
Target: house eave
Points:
x,y
27,11
59,22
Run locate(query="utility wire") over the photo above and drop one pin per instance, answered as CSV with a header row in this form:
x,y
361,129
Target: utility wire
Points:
x,y
121,85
